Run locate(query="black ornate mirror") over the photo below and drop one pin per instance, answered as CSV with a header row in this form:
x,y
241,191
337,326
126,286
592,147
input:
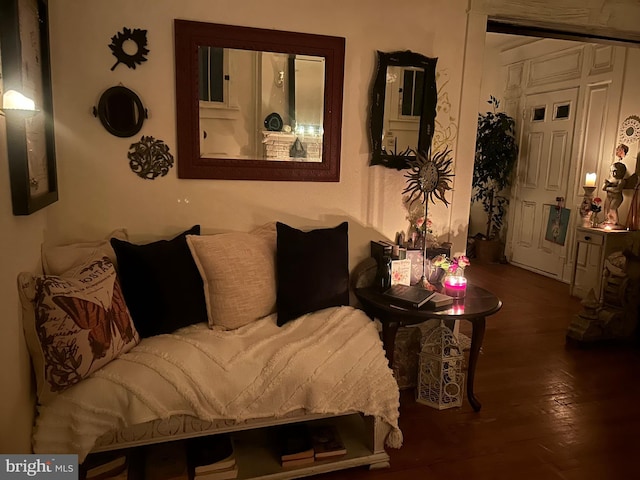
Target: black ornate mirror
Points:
x,y
257,104
120,111
403,108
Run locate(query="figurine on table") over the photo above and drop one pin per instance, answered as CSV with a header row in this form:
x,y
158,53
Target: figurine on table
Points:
x,y
614,186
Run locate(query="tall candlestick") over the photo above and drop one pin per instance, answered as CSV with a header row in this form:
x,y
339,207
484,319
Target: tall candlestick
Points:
x,y
590,180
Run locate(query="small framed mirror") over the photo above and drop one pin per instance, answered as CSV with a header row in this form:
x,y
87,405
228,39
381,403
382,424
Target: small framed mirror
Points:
x,y
258,104
120,111
403,108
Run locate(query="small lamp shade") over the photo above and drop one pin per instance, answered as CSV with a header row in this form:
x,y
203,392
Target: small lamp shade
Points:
x,y
14,100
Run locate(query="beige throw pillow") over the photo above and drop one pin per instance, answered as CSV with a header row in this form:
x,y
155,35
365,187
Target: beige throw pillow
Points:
x,y
239,275
269,233
58,259
74,324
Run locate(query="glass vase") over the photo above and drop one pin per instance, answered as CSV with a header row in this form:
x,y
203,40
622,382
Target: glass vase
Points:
x,y
434,273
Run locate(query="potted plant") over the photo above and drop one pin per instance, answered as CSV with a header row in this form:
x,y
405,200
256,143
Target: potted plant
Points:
x,y
495,159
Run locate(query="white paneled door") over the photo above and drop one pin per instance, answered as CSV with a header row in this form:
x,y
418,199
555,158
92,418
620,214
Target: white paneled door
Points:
x,y
543,175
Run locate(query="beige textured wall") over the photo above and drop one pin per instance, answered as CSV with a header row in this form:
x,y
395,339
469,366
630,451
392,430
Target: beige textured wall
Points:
x,y
98,192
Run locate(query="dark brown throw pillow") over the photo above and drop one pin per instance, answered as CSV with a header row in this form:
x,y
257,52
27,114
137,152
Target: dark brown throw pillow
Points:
x,y
312,269
161,284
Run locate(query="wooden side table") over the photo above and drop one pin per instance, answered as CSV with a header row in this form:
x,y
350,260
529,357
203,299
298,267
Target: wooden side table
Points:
x,y
477,305
605,242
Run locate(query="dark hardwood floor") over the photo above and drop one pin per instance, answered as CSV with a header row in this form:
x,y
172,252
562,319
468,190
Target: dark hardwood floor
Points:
x,y
549,411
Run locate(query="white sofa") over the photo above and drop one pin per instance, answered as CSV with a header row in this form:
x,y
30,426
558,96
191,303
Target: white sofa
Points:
x,y
222,374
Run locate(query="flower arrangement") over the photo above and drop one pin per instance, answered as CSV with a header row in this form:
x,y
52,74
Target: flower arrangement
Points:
x,y
415,216
595,208
421,226
419,231
454,266
441,266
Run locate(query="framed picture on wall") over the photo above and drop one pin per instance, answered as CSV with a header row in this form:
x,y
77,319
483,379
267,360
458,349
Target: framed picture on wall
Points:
x,y
24,37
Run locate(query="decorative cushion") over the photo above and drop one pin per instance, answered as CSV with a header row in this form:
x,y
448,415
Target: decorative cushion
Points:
x,y
74,324
161,284
268,233
58,259
239,276
313,270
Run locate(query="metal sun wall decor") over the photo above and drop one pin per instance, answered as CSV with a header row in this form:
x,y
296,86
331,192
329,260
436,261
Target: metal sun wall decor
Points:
x,y
429,177
150,158
139,37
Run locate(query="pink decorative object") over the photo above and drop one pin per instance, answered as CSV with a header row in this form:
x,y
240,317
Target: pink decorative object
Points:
x,y
457,309
455,286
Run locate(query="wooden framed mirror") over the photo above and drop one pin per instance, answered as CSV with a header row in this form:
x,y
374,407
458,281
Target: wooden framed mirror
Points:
x,y
403,108
240,95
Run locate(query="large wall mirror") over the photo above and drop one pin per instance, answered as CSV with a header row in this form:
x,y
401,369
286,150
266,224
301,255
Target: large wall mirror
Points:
x,y
257,104
403,108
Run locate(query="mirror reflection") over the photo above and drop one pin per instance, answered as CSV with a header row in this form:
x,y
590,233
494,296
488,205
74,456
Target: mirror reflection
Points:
x,y
120,111
260,105
403,108
257,104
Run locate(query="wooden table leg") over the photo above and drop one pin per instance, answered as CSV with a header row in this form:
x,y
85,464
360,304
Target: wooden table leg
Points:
x,y
477,335
389,330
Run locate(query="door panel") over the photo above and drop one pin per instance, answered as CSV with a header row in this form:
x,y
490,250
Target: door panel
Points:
x,y
557,164
533,159
528,216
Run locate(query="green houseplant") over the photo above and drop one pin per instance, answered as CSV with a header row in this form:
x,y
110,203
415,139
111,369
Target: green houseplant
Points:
x,y
495,160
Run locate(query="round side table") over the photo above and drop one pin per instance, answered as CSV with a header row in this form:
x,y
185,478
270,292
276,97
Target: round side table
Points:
x,y
477,304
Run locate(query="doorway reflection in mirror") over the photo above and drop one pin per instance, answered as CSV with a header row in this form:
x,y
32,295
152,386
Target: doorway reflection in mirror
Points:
x,y
239,89
402,110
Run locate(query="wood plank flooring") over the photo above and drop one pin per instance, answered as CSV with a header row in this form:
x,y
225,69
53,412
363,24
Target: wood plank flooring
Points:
x,y
549,411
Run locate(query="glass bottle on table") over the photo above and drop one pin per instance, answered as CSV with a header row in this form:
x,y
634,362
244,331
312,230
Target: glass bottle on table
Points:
x,y
383,274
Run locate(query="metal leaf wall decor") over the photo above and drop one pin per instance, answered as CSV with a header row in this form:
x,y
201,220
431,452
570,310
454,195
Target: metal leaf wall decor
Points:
x,y
139,37
150,158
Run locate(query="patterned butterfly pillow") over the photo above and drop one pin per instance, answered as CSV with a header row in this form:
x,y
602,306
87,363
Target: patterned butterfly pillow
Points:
x,y
74,324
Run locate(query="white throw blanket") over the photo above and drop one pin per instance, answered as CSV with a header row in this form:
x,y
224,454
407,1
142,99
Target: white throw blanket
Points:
x,y
327,362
